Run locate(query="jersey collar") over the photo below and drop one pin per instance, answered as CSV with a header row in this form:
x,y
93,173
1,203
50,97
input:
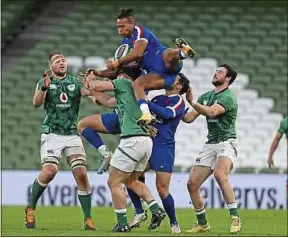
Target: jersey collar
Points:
x,y
221,90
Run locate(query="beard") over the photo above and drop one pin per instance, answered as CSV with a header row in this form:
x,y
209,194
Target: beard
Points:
x,y
217,83
60,74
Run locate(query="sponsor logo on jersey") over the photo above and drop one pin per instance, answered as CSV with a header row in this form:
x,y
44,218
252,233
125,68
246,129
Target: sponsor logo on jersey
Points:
x,y
52,86
63,97
63,105
212,120
198,160
71,87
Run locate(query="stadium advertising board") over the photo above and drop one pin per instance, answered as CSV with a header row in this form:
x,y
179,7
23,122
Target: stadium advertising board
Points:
x,y
252,191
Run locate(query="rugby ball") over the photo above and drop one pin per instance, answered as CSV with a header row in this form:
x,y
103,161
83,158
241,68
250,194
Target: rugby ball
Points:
x,y
122,51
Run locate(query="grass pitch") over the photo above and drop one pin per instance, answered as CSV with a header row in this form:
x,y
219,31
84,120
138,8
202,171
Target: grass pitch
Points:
x,y
67,221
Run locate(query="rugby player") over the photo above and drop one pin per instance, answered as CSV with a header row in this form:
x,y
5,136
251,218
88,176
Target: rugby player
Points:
x,y
162,64
61,94
132,154
219,106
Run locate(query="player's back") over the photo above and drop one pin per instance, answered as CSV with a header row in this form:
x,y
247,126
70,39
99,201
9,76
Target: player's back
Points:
x,y
127,109
167,127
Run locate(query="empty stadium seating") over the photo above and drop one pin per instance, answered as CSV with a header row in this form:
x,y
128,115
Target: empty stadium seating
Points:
x,y
243,36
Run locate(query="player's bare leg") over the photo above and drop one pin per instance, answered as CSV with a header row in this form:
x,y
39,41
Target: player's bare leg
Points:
x,y
84,192
46,175
115,182
144,192
162,185
221,174
197,176
146,82
95,126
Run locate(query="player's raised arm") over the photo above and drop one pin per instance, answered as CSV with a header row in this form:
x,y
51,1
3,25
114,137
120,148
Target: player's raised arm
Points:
x,y
41,88
103,99
190,117
97,85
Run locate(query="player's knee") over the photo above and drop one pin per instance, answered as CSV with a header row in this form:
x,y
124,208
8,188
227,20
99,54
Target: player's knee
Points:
x,y
48,172
81,126
220,176
163,190
192,186
110,182
80,174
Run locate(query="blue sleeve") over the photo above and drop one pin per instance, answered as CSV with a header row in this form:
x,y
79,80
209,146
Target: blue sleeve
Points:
x,y
175,107
162,112
141,33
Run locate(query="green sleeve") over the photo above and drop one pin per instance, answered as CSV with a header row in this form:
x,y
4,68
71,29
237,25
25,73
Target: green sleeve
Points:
x,y
201,99
80,85
40,84
283,126
228,102
117,84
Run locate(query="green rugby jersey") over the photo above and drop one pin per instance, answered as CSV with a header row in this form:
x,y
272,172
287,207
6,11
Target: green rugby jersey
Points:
x,y
61,105
284,127
222,127
128,109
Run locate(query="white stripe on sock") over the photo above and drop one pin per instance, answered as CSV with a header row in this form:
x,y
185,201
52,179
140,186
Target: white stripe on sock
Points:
x,y
83,193
41,184
232,205
121,210
200,211
152,203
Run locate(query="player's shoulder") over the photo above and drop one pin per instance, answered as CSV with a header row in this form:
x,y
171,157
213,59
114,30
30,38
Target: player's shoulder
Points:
x,y
121,82
284,121
72,78
159,98
208,93
229,93
139,29
176,98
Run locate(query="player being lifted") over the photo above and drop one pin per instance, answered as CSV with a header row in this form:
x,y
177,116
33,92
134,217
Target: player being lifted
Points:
x,y
61,94
132,154
162,64
219,106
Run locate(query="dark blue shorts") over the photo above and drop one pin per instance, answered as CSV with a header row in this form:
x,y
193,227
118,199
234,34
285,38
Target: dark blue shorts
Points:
x,y
162,157
110,121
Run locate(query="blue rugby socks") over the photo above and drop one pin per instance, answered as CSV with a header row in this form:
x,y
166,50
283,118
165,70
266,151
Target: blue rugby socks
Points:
x,y
168,204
